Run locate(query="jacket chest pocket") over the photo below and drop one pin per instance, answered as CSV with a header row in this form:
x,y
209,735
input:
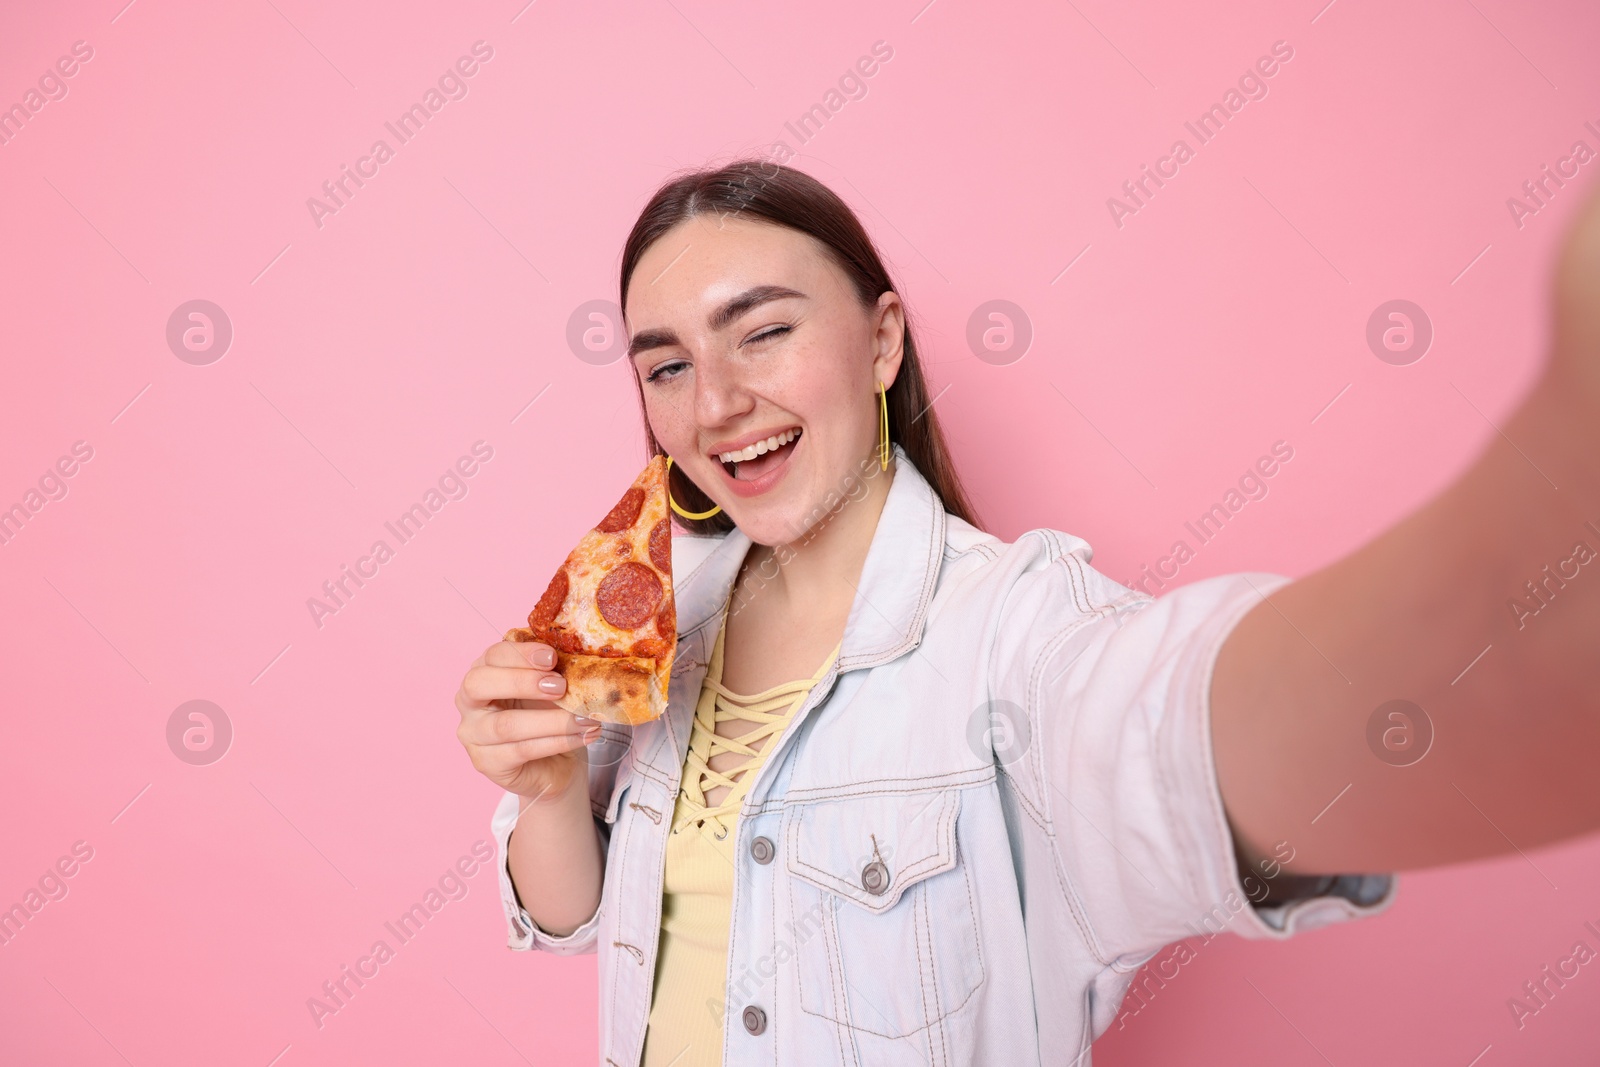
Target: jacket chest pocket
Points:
x,y
885,929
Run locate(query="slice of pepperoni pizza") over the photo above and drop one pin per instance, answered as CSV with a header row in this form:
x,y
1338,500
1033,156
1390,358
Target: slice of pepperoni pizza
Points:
x,y
609,612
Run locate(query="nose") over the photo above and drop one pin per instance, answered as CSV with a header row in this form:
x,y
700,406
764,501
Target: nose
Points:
x,y
719,395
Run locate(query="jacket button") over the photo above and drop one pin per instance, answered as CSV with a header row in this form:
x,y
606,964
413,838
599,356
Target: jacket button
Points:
x,y
875,878
761,850
755,1020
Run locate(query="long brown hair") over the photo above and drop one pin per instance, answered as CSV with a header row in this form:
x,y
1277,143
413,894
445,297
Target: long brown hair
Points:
x,y
769,191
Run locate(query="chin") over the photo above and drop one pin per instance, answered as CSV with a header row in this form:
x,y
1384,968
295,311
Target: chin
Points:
x,y
772,525
792,516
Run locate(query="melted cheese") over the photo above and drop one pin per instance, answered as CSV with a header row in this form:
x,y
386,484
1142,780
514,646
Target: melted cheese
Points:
x,y
596,556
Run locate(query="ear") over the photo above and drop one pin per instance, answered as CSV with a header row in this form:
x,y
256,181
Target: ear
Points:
x,y
888,339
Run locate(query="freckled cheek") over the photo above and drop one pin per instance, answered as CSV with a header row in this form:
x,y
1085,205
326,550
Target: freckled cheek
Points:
x,y
672,432
818,384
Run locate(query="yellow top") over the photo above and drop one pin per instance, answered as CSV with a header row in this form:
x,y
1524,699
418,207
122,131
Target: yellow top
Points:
x,y
687,1005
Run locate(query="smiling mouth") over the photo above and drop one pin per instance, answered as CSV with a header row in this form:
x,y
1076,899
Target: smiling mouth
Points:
x,y
748,464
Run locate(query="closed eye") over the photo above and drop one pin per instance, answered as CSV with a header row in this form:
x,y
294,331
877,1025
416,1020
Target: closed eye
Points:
x,y
776,331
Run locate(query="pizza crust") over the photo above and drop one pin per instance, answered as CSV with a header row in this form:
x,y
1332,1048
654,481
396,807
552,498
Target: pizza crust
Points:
x,y
614,689
610,688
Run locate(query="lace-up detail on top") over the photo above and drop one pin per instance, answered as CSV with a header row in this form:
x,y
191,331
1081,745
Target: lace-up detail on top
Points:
x,y
771,710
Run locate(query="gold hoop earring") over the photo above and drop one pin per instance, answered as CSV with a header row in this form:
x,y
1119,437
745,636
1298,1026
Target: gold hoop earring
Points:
x,y
883,427
692,516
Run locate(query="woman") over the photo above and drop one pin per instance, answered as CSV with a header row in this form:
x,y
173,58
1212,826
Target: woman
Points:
x,y
922,796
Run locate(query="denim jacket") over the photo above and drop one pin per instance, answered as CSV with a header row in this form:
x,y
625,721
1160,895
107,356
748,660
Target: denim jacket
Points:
x,y
994,808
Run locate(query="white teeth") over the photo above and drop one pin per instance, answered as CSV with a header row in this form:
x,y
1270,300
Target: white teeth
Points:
x,y
760,448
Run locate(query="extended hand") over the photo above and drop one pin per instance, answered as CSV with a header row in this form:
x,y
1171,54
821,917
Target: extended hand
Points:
x,y
1576,301
1435,612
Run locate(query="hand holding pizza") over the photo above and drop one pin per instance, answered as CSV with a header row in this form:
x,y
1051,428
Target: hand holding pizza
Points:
x,y
512,730
600,644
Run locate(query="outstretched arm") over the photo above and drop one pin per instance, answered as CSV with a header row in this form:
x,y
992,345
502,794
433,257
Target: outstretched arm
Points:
x,y
1482,609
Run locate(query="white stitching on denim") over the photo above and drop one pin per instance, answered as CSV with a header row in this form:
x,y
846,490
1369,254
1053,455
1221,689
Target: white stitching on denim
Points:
x,y
1069,892
908,875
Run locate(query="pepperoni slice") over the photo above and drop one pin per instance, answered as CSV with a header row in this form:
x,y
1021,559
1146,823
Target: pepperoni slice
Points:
x,y
667,622
649,648
629,595
625,514
661,546
549,605
571,644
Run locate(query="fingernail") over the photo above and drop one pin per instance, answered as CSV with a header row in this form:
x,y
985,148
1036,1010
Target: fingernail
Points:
x,y
591,735
553,684
583,722
544,658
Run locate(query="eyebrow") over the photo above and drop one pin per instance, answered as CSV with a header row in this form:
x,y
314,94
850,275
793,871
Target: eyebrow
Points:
x,y
719,318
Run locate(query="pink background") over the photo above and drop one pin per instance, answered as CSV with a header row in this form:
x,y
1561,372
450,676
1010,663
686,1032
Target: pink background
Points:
x,y
371,352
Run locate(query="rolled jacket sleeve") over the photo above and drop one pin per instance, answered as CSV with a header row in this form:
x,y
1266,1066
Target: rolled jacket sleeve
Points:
x,y
522,933
1117,694
606,757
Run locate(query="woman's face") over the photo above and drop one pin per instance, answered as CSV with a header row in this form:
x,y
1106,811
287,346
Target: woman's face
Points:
x,y
748,339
